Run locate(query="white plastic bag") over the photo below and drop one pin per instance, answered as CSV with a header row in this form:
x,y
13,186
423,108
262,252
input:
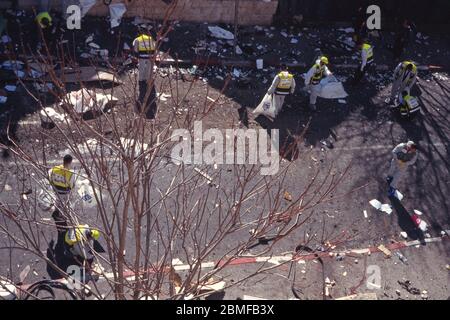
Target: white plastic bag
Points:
x,y
266,107
46,196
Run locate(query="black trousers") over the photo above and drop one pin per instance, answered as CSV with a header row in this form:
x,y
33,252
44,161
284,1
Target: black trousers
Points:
x,y
359,74
148,106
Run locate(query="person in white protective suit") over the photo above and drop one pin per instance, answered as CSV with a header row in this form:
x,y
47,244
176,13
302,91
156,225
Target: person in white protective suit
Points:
x,y
313,77
283,84
404,156
405,76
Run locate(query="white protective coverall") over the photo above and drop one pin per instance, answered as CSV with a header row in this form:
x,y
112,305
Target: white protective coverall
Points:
x,y
278,99
400,162
315,88
403,80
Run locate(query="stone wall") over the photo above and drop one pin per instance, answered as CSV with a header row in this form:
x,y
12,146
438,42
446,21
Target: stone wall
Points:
x,y
251,12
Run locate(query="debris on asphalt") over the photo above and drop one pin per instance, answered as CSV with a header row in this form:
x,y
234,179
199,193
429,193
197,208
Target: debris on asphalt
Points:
x,y
386,208
287,196
385,250
365,214
7,187
408,287
404,234
375,203
10,88
401,257
220,33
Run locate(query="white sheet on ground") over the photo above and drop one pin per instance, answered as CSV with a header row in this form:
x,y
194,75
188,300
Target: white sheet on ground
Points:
x,y
85,100
331,88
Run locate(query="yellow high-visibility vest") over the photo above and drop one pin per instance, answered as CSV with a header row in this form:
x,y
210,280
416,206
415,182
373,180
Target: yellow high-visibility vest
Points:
x,y
318,75
41,16
285,83
60,178
369,50
146,45
78,233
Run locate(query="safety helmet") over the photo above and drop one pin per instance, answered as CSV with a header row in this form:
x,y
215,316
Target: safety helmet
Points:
x,y
324,60
95,234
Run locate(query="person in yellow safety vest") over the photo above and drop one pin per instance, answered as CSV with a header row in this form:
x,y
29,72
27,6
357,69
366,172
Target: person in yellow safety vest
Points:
x,y
80,241
405,76
313,77
366,61
282,85
144,47
61,177
408,105
44,20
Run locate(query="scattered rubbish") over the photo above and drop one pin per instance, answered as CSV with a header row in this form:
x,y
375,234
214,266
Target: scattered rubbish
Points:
x,y
218,32
8,187
419,213
401,257
424,295
408,287
365,214
440,76
49,116
386,208
43,87
284,34
238,50
116,11
85,100
287,196
347,30
385,250
206,176
404,234
3,99
294,40
10,88
342,101
6,39
375,203
12,65
236,73
259,64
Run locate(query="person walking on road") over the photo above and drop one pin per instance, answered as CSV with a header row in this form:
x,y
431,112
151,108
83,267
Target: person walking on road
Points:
x,y
313,77
404,156
282,85
366,61
405,76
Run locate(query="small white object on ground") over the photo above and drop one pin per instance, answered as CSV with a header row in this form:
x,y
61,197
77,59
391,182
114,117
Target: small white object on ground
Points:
x,y
218,32
386,208
398,195
404,234
10,88
375,203
365,214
